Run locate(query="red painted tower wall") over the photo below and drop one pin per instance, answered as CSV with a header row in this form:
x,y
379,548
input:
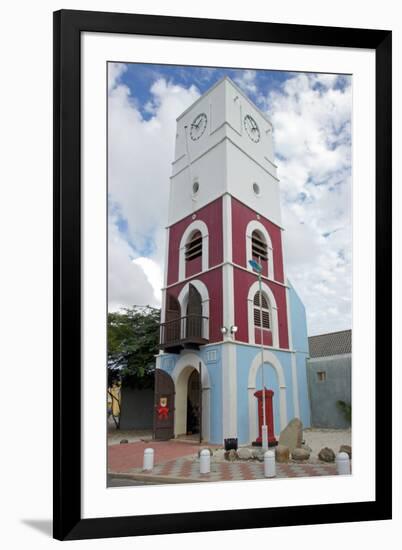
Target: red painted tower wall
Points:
x,y
241,216
242,283
211,215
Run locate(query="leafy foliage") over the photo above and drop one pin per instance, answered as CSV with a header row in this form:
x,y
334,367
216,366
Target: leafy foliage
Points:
x,y
133,336
346,409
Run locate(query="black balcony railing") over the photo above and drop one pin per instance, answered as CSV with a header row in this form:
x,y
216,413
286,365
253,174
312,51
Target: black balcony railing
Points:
x,y
190,331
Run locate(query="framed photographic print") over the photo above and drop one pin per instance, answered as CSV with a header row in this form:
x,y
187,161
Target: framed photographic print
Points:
x,y
222,268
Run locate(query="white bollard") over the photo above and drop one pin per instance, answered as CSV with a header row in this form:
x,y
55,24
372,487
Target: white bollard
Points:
x,y
342,464
269,464
148,460
205,462
264,436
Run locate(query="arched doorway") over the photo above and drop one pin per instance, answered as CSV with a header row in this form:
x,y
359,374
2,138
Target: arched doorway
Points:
x,y
185,366
188,414
271,382
279,384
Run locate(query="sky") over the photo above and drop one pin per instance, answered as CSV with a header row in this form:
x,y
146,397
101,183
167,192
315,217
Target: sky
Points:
x,y
311,115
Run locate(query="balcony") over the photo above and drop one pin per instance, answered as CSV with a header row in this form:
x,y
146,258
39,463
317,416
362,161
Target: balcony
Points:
x,y
187,332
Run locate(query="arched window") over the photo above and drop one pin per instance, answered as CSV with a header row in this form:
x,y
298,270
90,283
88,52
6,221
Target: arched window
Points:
x,y
261,306
259,247
194,246
194,251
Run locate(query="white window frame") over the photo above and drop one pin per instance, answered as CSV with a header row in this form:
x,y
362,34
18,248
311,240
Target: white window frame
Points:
x,y
262,308
252,226
183,300
203,229
254,288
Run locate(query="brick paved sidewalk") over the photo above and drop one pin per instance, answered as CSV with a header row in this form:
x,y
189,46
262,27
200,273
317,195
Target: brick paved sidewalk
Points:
x,y
123,457
186,470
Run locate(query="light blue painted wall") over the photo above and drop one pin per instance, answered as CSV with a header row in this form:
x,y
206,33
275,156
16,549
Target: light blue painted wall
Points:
x,y
298,321
215,377
300,345
245,356
324,394
304,402
168,363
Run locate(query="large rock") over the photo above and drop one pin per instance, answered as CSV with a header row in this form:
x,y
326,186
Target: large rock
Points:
x,y
281,453
300,454
258,454
231,455
244,453
292,435
327,455
346,449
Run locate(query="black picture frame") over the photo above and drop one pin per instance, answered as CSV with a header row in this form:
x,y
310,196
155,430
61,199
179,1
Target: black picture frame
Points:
x,y
68,26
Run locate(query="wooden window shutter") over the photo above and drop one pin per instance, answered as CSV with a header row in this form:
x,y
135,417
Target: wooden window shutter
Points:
x,y
266,314
194,246
259,247
172,308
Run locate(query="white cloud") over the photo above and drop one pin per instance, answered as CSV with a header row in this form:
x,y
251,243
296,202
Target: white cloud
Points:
x,y
311,118
153,272
127,283
247,81
140,153
115,71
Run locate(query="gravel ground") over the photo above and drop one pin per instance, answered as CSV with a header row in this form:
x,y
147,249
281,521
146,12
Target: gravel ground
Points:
x,y
319,438
115,436
315,438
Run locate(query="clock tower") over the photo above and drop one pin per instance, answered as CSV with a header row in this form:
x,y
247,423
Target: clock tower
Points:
x,y
224,210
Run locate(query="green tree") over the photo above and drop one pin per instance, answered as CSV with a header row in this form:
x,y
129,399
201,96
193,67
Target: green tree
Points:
x,y
133,337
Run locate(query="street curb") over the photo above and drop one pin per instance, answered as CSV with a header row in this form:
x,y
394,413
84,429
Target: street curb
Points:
x,y
156,478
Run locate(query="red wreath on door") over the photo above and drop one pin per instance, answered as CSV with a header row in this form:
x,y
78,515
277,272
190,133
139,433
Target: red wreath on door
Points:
x,y
162,409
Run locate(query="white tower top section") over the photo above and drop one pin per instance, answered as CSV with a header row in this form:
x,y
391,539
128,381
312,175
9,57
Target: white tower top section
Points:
x,y
224,145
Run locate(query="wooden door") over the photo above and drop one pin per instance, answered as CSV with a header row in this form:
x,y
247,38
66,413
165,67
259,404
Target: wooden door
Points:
x,y
172,330
163,406
194,313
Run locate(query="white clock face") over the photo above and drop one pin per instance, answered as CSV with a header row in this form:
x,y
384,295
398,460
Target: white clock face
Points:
x,y
198,126
252,129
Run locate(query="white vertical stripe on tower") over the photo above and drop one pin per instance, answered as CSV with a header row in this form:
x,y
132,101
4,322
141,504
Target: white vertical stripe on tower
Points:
x,y
228,315
229,390
165,277
229,368
166,257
